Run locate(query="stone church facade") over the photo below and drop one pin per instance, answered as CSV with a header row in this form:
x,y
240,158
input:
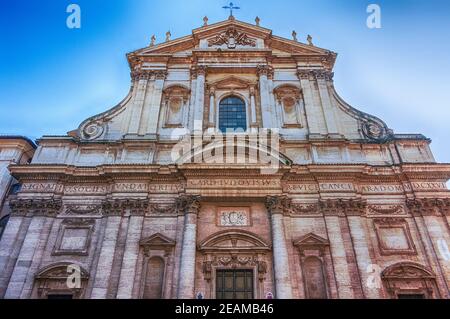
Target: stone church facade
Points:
x,y
232,169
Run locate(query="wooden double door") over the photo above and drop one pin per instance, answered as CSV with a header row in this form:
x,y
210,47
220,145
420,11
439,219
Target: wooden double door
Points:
x,y
234,284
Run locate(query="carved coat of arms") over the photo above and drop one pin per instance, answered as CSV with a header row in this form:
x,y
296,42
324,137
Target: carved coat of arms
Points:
x,y
232,38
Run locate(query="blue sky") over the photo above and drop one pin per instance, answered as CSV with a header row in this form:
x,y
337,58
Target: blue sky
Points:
x,y
52,77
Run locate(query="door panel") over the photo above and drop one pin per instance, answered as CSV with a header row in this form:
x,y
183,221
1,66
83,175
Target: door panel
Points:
x,y
234,284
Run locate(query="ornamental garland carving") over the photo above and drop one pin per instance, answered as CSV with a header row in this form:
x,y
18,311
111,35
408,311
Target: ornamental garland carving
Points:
x,y
119,207
78,209
343,206
386,210
235,261
232,38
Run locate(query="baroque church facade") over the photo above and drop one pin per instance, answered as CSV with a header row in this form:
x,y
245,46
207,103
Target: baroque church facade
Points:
x,y
231,170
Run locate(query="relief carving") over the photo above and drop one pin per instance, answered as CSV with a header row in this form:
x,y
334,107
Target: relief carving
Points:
x,y
386,209
232,38
342,207
120,207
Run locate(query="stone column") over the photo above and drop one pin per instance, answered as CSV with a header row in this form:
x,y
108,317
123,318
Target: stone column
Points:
x,y
10,243
314,117
212,108
199,102
130,257
25,258
186,279
155,106
275,207
322,77
105,261
264,71
140,77
253,123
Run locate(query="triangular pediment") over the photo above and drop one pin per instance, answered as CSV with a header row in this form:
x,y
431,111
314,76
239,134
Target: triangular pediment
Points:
x,y
231,34
157,240
311,239
232,82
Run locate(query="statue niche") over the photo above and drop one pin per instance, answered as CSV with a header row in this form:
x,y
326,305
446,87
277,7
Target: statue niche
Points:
x,y
290,103
175,103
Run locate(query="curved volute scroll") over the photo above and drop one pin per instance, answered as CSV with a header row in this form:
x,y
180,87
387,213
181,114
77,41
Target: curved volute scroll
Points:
x,y
371,127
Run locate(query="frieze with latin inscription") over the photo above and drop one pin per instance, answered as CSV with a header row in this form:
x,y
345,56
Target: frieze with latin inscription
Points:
x,y
382,189
233,183
428,186
42,187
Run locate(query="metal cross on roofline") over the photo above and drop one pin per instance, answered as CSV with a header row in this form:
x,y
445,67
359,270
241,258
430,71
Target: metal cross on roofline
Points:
x,y
232,7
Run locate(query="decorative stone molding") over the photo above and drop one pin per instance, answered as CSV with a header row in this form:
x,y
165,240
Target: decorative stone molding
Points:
x,y
37,207
188,204
163,209
343,207
120,207
157,242
78,245
234,249
304,209
311,242
396,228
78,209
386,209
429,206
52,280
409,278
287,91
234,261
232,37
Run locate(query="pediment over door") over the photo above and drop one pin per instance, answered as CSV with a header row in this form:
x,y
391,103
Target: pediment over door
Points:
x,y
234,241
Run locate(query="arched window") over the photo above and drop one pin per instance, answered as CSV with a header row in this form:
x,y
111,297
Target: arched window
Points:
x,y
232,115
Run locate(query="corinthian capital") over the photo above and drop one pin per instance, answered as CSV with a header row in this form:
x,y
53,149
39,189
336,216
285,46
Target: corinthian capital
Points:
x,y
140,74
160,74
199,70
315,74
189,204
264,69
277,204
38,207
